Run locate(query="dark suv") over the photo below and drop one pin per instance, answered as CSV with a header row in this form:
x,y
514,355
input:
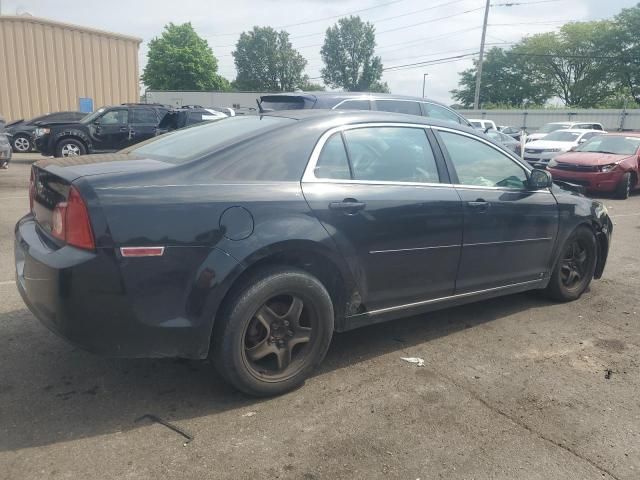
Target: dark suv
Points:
x,y
382,102
108,129
22,131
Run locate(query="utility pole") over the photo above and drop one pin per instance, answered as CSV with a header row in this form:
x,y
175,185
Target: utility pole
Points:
x,y
476,97
424,80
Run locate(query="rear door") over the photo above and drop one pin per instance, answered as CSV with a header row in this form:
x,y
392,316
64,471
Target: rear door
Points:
x,y
385,197
509,230
143,124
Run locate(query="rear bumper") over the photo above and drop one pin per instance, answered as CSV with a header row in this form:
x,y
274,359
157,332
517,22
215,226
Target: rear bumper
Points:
x,y
96,301
592,181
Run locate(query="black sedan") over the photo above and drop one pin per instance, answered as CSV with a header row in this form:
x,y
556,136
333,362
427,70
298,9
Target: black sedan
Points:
x,y
253,239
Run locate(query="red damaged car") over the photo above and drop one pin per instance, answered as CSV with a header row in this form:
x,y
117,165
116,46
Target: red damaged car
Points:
x,y
606,163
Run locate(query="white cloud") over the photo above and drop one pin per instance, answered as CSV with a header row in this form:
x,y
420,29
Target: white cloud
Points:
x,y
402,44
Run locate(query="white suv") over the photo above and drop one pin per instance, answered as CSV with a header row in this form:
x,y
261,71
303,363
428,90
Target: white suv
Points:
x,y
553,126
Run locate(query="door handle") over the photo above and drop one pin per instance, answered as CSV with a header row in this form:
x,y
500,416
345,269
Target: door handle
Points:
x,y
479,205
348,206
124,129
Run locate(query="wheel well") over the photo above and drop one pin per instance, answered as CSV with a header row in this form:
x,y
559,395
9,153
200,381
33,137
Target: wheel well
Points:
x,y
318,265
634,178
71,137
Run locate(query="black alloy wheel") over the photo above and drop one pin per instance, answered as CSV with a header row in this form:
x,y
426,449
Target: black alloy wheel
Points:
x,y
574,264
273,331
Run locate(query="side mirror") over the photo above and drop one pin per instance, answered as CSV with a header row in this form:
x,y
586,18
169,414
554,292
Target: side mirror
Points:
x,y
539,179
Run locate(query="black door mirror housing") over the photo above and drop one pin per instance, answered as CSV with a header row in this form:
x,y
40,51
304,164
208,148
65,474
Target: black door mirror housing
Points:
x,y
539,179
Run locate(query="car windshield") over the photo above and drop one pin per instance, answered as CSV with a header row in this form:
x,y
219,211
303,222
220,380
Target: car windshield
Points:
x,y
552,127
618,145
562,137
476,124
193,142
92,116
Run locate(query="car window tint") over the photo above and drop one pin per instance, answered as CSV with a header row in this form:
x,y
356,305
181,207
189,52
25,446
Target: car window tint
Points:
x,y
397,106
478,164
394,154
144,116
354,105
194,117
115,117
333,162
441,113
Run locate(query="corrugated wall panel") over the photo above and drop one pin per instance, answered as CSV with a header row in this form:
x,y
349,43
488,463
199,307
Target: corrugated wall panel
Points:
x,y
47,66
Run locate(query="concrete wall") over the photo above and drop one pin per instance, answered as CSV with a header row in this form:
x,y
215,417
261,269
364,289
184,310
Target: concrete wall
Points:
x,y
47,66
532,120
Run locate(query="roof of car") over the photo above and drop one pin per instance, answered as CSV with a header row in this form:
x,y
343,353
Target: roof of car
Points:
x,y
572,122
339,117
345,95
578,130
623,134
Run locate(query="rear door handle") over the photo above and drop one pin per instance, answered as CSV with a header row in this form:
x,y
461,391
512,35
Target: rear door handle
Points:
x,y
348,205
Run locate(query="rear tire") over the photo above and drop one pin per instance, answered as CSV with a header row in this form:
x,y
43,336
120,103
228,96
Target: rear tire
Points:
x,y
274,330
21,144
574,269
624,187
70,147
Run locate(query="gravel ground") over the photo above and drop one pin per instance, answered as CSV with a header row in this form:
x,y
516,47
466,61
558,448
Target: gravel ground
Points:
x,y
512,388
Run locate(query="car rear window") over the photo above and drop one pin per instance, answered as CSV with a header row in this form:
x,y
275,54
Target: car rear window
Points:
x,y
277,103
563,136
194,142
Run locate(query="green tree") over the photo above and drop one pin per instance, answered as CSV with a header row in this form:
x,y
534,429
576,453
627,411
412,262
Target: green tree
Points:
x,y
348,55
181,60
266,61
309,86
626,40
506,80
577,61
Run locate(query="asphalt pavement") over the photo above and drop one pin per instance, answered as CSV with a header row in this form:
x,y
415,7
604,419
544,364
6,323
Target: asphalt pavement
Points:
x,y
512,388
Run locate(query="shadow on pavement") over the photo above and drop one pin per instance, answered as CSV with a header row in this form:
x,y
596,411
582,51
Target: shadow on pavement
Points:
x,y
51,392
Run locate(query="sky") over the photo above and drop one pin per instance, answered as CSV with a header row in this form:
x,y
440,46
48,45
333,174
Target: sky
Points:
x,y
407,31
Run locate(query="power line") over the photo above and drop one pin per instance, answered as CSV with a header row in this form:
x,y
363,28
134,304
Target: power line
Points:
x,y
430,62
518,4
319,19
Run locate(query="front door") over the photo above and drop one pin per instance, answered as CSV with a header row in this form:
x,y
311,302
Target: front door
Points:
x,y
110,132
509,229
381,193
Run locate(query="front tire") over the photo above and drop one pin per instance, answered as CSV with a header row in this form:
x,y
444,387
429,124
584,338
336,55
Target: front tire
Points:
x,y
575,266
623,189
70,147
273,332
22,144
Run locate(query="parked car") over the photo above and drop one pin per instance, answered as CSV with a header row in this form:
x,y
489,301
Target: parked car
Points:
x,y
22,131
183,117
507,141
254,238
513,132
553,126
539,152
5,147
361,101
108,129
606,163
483,124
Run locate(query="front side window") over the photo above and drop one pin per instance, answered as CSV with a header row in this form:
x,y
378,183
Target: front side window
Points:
x,y
333,162
442,113
398,106
115,117
478,164
392,154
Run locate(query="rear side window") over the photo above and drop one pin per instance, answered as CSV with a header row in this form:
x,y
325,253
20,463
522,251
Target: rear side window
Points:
x,y
392,154
333,162
478,164
141,116
397,106
354,105
442,113
194,117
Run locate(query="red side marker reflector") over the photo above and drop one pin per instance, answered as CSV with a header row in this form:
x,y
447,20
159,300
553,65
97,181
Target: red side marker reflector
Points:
x,y
142,251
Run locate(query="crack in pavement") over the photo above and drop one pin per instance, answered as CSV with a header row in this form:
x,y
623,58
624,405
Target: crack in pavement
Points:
x,y
520,423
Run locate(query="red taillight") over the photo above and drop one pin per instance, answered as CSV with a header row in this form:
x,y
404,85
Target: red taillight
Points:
x,y
70,222
32,190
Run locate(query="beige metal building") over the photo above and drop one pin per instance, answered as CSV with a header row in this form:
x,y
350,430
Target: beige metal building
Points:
x,y
47,66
